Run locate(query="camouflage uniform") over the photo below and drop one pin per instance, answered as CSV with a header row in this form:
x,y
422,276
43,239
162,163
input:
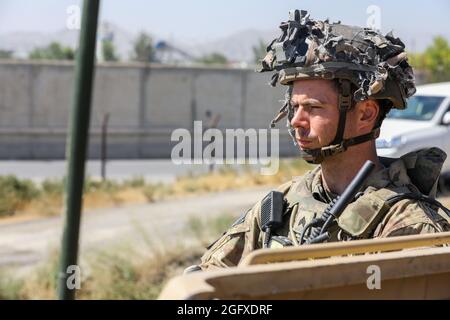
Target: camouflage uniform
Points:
x,y
308,197
363,64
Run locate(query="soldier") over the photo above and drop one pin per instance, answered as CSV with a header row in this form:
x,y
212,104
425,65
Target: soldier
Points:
x,y
341,82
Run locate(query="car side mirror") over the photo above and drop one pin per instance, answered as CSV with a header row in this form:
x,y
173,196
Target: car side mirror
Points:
x,y
446,118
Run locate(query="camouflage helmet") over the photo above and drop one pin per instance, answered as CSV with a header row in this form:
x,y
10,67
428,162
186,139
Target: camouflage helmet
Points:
x,y
364,63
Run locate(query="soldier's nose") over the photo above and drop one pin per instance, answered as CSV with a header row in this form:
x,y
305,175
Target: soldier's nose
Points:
x,y
300,119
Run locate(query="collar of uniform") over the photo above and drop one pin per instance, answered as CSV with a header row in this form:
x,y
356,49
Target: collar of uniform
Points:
x,y
318,189
378,179
395,174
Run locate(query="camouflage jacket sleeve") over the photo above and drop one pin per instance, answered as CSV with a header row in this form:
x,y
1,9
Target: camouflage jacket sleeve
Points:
x,y
238,241
409,217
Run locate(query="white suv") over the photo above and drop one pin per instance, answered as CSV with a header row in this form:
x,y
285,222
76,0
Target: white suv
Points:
x,y
424,123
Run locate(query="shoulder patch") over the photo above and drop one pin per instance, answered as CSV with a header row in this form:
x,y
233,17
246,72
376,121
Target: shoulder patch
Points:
x,y
360,218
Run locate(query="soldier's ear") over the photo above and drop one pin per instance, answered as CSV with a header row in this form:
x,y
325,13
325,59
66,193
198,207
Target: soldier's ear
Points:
x,y
367,113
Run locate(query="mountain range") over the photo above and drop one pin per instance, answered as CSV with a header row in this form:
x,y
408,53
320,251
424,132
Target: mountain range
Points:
x,y
236,47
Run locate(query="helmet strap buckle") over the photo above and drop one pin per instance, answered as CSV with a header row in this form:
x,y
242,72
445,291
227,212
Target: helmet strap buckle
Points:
x,y
333,149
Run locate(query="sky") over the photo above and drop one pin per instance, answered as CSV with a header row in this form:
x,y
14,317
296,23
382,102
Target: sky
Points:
x,y
208,19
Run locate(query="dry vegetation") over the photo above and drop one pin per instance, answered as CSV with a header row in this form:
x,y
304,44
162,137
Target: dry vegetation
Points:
x,y
121,272
20,197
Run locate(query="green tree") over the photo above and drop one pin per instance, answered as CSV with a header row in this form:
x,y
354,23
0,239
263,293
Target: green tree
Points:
x,y
6,54
143,48
435,60
54,51
213,58
109,51
259,51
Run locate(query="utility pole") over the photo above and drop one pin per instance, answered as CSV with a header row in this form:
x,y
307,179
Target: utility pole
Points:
x,y
76,148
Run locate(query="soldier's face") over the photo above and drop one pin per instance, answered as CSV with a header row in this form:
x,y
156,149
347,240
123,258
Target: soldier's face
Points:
x,y
316,113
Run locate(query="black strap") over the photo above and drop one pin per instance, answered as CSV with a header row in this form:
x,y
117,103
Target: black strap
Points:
x,y
344,103
317,155
372,135
416,196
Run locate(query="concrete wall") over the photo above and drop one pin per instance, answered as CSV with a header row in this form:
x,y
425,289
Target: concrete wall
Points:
x,y
146,103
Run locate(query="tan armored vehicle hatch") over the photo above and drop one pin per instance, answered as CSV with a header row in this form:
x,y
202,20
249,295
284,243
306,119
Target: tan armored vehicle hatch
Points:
x,y
407,267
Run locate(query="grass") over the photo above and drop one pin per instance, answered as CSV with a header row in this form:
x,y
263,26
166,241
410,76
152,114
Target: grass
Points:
x,y
207,230
24,197
15,193
121,272
10,288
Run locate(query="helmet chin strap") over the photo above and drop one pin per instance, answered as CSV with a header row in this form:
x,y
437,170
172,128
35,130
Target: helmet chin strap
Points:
x,y
316,156
339,144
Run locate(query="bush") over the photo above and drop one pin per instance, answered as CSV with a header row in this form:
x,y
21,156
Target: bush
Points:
x,y
91,185
55,187
47,199
136,182
14,192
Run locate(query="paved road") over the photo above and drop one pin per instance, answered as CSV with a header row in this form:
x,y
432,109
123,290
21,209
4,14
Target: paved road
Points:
x,y
151,170
23,244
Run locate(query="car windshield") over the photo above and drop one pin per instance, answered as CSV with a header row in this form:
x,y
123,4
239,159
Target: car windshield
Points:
x,y
420,108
